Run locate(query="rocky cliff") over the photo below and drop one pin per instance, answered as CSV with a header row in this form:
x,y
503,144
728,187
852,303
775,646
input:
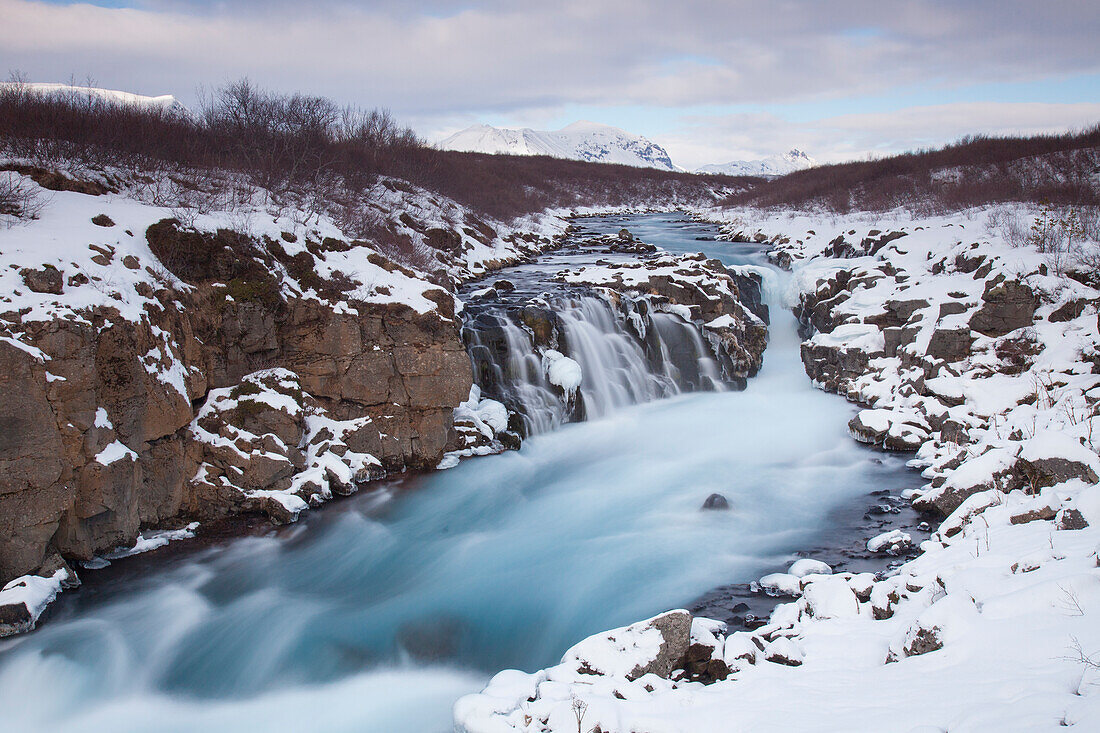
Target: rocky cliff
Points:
x,y
153,372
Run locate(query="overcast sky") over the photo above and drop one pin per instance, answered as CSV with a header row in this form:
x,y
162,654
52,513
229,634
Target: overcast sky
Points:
x,y
710,81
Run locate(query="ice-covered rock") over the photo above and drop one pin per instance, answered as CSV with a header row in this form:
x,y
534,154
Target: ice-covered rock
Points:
x,y
23,600
654,646
893,542
561,371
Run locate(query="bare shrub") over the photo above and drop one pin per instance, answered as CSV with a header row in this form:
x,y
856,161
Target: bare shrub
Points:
x,y
19,198
974,171
1009,226
305,152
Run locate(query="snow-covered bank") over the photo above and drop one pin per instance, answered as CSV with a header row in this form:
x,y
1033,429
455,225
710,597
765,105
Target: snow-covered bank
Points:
x,y
978,354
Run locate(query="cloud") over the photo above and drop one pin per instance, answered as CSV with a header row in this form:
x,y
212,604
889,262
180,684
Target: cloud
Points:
x,y
442,61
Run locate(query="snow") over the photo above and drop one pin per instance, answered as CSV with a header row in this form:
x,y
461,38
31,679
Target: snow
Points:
x,y
102,420
146,542
582,140
808,566
164,101
34,592
992,626
115,451
561,370
771,166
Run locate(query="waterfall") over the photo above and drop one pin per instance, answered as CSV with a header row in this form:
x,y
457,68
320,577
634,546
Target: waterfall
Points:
x,y
624,359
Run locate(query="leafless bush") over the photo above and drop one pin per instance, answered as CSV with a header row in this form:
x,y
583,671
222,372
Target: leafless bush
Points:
x,y
307,152
974,171
1009,226
19,198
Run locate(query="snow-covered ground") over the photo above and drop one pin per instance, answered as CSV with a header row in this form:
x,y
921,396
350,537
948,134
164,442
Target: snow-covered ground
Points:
x,y
979,355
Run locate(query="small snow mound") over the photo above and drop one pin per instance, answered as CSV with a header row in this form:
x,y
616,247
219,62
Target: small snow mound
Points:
x,y
116,451
807,566
891,542
562,371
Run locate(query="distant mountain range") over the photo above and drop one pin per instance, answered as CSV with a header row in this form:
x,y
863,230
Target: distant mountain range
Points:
x,y
588,141
774,165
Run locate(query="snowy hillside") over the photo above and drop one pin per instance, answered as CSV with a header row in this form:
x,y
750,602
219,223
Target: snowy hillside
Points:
x,y
774,165
164,101
588,141
976,354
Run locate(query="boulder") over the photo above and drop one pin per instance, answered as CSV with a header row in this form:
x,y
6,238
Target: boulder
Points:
x,y
1006,306
950,344
1051,457
922,640
655,646
808,566
995,469
48,279
897,336
1068,311
1071,519
784,651
887,429
897,313
716,502
893,542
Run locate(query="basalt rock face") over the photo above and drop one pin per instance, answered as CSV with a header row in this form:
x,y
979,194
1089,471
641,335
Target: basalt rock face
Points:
x,y
96,411
71,478
406,370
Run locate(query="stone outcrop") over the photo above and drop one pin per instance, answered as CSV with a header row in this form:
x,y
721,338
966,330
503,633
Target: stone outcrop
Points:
x,y
95,438
1006,306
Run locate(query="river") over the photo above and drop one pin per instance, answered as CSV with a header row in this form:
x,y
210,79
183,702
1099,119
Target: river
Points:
x,y
377,612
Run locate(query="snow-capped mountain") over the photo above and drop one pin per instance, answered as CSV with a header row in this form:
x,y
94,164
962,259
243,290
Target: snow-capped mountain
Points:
x,y
773,165
582,140
164,101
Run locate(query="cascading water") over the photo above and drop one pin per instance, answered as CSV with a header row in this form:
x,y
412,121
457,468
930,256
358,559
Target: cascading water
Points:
x,y
624,359
378,612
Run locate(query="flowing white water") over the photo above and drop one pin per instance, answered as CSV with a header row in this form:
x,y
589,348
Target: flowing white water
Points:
x,y
378,612
612,355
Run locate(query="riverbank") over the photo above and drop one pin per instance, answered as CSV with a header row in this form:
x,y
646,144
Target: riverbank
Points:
x,y
980,355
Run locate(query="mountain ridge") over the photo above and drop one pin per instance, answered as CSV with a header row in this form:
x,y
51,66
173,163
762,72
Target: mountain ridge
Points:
x,y
773,165
582,140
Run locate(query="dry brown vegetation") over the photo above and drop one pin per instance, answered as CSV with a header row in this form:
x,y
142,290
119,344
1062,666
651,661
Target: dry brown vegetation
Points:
x,y
312,148
1059,169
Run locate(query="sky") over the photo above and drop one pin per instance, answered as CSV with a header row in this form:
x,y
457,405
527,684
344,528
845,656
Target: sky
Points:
x,y
711,81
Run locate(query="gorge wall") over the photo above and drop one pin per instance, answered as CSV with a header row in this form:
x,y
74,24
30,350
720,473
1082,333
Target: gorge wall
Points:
x,y
97,436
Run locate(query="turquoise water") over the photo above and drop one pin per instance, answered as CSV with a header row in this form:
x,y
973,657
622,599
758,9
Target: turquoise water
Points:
x,y
377,612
